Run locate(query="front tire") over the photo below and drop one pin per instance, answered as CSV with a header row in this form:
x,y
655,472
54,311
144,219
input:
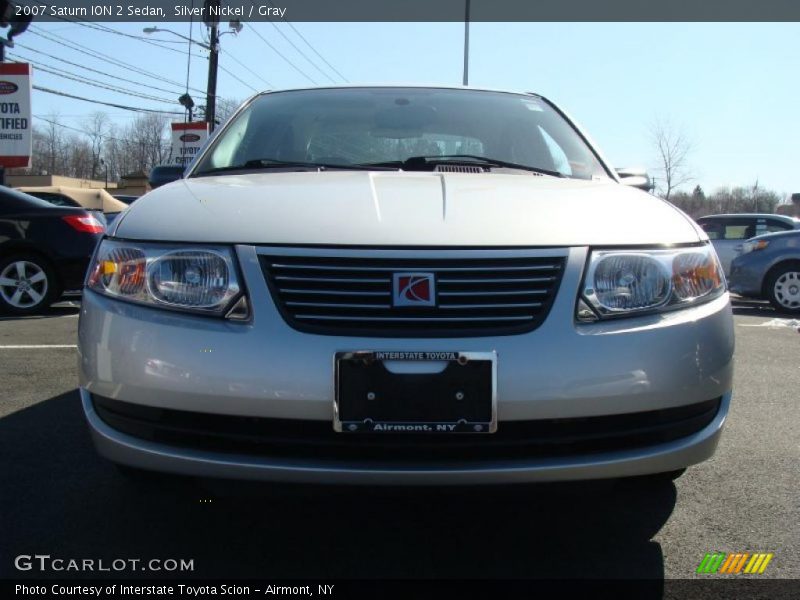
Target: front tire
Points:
x,y
783,288
28,284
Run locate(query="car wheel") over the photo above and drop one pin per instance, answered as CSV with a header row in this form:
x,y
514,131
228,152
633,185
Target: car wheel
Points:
x,y
27,284
783,288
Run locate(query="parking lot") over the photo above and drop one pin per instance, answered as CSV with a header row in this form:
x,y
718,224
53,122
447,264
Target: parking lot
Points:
x,y
59,498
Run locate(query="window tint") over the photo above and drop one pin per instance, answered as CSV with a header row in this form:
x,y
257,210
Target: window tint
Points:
x,y
713,228
738,229
771,226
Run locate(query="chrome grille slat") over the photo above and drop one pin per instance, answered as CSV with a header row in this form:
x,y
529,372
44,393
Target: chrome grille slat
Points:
x,y
338,305
497,280
407,319
336,292
413,267
478,293
474,306
496,293
332,279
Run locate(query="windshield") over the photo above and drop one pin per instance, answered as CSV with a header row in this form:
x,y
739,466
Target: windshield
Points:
x,y
383,126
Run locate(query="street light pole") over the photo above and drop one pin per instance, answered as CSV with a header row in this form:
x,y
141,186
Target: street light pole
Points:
x,y
466,44
212,21
213,58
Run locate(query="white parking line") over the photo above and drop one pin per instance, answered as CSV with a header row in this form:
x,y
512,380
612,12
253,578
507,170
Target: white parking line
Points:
x,y
37,346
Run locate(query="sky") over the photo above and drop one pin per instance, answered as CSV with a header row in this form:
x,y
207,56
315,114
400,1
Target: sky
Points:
x,y
731,88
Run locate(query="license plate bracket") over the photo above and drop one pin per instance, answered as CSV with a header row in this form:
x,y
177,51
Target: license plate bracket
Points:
x,y
459,398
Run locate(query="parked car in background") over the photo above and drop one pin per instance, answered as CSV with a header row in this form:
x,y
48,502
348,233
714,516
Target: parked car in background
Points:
x,y
405,285
96,200
126,198
769,268
44,250
163,174
728,232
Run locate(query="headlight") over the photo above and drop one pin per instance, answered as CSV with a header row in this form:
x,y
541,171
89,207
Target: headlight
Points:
x,y
624,282
754,245
196,279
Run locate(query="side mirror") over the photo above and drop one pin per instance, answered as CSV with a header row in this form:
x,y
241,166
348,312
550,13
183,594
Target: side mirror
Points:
x,y
163,174
635,177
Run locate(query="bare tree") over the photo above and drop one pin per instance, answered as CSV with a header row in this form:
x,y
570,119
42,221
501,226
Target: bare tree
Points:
x,y
672,150
146,142
225,108
96,128
51,145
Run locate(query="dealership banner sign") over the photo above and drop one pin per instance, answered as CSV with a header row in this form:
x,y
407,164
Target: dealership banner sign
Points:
x,y
15,115
187,140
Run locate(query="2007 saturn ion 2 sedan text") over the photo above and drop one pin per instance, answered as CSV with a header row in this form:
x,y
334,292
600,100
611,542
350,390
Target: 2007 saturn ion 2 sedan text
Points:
x,y
404,285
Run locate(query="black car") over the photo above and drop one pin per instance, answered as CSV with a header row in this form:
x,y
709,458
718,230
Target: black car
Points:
x,y
44,250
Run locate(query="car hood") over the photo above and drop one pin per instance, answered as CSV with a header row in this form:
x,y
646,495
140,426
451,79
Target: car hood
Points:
x,y
793,233
394,208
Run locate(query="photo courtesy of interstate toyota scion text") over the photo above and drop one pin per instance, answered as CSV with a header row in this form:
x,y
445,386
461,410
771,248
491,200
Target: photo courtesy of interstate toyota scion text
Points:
x,y
405,285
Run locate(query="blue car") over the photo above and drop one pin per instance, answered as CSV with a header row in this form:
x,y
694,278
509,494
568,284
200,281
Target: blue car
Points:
x,y
769,268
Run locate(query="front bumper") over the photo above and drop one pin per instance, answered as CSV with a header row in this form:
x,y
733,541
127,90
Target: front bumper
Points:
x,y
265,369
137,452
747,278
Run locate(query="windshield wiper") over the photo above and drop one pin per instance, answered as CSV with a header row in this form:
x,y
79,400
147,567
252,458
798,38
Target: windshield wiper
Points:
x,y
273,163
424,163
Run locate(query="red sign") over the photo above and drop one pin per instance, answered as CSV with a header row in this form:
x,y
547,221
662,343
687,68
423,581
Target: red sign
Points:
x,y
15,115
187,140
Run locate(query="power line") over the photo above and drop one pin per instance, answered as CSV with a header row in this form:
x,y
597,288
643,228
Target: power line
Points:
x,y
107,29
91,82
236,60
314,50
141,38
105,73
104,57
122,106
303,54
295,67
236,78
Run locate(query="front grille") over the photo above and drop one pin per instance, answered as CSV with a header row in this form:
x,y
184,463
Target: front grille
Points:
x,y
352,295
299,439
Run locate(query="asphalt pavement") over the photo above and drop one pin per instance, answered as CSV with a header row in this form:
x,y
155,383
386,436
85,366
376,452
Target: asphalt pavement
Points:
x,y
58,497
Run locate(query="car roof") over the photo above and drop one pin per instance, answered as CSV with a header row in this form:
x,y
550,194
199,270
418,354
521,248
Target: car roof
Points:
x,y
388,86
786,218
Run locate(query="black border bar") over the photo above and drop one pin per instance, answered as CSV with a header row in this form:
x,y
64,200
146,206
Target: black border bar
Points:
x,y
711,588
418,10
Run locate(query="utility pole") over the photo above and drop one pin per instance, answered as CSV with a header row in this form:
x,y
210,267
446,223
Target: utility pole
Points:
x,y
212,20
466,44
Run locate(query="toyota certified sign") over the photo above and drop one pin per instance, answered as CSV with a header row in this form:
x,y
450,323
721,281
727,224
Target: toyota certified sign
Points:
x,y
187,141
15,115
414,289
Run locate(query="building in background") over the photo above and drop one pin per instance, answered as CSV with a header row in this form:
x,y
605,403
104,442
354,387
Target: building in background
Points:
x,y
793,209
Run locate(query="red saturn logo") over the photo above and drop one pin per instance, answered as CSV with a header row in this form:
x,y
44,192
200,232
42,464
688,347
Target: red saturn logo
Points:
x,y
413,289
189,137
6,87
